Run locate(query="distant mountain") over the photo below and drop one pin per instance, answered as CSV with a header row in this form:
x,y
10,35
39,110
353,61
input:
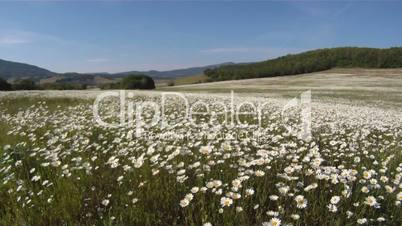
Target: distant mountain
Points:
x,y
12,70
76,78
177,73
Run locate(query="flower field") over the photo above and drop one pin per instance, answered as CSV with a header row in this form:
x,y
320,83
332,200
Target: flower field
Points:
x,y
58,166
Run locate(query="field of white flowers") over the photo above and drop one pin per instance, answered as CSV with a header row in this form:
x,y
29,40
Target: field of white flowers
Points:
x,y
59,167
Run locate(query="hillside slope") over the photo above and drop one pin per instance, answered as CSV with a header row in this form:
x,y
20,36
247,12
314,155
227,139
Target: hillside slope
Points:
x,y
311,61
75,78
14,70
176,73
370,85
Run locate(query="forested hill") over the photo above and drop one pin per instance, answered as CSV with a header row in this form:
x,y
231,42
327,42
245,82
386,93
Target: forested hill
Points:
x,y
9,69
311,61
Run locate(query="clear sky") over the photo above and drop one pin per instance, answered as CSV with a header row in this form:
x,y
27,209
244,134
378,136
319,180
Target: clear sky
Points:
x,y
112,36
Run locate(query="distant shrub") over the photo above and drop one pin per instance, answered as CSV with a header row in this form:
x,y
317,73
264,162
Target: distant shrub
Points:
x,y
137,82
25,84
109,85
170,83
4,85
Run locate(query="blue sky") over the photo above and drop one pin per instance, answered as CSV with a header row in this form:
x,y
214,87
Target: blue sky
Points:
x,y
119,36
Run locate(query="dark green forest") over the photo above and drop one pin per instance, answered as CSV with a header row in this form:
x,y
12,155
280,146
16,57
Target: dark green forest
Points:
x,y
4,85
9,69
133,81
311,61
137,82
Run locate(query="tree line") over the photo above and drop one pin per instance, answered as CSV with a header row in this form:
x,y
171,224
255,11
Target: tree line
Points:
x,y
311,61
29,84
136,81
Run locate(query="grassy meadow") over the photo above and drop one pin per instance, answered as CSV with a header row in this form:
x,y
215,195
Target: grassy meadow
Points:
x,y
60,167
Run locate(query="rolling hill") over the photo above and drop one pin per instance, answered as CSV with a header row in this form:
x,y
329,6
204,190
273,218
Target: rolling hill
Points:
x,y
14,70
311,61
177,73
307,62
76,78
380,86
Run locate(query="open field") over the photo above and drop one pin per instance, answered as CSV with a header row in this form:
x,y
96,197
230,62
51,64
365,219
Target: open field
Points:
x,y
61,167
374,85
